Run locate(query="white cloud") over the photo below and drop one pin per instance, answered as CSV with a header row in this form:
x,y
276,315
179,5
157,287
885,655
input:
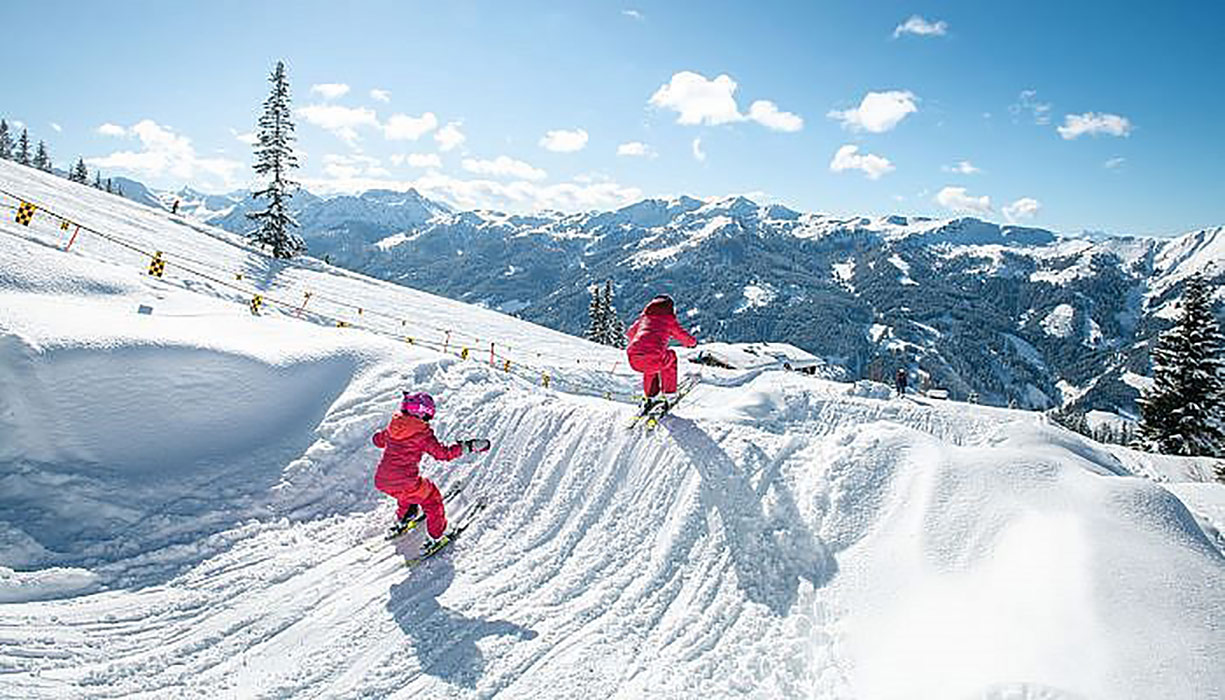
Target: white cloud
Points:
x,y
167,154
351,166
849,158
878,111
562,141
417,160
247,137
635,149
1115,162
1027,102
341,121
698,153
1023,208
402,127
956,199
380,95
450,136
633,14
698,100
330,91
109,129
57,127
964,167
918,26
504,166
1094,124
767,114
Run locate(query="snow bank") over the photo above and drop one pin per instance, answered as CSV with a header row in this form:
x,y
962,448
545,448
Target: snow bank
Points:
x,y
1013,562
24,587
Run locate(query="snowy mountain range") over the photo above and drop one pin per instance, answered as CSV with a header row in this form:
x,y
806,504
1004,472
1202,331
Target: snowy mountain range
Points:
x,y
1012,314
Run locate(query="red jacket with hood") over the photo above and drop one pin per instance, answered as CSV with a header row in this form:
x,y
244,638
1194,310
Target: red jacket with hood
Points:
x,y
649,335
404,440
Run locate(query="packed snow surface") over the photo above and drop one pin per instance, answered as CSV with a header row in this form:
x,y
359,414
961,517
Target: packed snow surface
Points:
x,y
187,510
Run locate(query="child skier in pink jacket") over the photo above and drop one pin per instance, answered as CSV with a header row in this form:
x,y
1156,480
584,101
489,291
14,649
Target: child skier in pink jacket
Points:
x,y
404,440
648,348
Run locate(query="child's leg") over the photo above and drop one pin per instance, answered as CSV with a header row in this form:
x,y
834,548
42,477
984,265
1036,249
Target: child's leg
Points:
x,y
667,372
435,512
650,384
408,497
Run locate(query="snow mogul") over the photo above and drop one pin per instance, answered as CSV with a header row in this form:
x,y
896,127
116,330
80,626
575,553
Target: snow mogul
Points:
x,y
649,354
405,439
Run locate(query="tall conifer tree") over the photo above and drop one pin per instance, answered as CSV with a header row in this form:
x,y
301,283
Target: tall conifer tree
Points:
x,y
6,141
79,173
42,159
614,328
1182,413
595,317
23,148
274,158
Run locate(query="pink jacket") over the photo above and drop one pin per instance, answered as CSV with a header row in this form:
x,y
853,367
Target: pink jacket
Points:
x,y
649,335
404,440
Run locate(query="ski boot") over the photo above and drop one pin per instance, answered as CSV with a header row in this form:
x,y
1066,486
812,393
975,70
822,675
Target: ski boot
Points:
x,y
405,522
429,545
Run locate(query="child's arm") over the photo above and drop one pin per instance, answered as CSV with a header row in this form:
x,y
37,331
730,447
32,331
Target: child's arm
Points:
x,y
441,452
681,335
629,334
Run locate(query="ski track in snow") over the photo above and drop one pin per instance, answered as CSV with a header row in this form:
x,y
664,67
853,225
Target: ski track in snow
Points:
x,y
776,536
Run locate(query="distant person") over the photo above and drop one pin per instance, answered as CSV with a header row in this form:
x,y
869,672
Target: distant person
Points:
x,y
899,381
175,208
405,439
648,349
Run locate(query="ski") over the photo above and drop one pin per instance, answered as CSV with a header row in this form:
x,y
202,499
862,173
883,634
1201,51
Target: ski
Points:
x,y
397,531
651,418
447,538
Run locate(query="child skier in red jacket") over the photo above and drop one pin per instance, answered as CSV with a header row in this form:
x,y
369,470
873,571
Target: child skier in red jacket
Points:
x,y
648,348
403,441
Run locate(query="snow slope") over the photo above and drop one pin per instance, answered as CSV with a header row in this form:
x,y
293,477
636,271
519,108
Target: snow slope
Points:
x,y
187,511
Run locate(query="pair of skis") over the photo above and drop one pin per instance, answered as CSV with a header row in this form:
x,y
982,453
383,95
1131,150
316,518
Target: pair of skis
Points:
x,y
399,530
449,537
651,413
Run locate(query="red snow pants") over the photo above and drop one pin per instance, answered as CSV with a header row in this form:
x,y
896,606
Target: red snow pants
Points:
x,y
658,371
426,495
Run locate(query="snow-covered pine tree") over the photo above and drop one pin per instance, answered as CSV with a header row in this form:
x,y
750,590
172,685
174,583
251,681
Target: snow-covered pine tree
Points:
x,y
79,173
6,141
595,316
614,328
42,159
97,179
1182,413
23,148
109,188
274,155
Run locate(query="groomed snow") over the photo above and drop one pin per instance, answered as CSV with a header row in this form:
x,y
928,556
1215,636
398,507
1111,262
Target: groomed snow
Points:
x,y
187,510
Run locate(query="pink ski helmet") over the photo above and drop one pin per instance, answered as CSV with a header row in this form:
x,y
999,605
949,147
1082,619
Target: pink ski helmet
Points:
x,y
419,404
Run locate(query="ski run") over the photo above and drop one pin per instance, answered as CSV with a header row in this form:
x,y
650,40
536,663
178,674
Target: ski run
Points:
x,y
187,508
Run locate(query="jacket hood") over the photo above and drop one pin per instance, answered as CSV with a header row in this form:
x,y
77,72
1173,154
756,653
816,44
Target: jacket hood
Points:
x,y
659,306
403,427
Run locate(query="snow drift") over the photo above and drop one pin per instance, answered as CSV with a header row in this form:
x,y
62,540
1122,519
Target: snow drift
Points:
x,y
187,510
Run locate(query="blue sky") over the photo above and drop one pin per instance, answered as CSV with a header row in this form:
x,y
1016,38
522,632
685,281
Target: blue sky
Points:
x,y
1072,116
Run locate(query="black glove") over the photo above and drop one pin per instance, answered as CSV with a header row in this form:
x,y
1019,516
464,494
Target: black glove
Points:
x,y
475,445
